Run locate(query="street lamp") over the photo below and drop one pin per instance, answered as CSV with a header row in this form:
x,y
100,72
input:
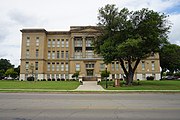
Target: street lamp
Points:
x,y
106,76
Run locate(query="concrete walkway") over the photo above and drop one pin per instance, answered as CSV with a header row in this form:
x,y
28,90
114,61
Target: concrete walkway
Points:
x,y
90,86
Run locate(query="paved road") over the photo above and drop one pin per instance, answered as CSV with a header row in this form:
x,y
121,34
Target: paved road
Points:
x,y
124,106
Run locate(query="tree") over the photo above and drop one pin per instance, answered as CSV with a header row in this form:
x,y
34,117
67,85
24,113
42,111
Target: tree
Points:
x,y
10,72
130,36
4,65
75,75
105,74
170,58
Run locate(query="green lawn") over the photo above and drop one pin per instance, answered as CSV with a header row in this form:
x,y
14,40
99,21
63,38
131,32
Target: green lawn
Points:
x,y
146,85
54,85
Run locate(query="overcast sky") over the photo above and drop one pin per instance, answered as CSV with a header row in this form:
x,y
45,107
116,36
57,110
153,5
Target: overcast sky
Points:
x,y
61,14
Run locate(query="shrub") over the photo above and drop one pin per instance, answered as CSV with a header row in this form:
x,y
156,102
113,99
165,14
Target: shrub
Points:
x,y
62,79
58,79
150,77
53,79
49,79
43,80
30,78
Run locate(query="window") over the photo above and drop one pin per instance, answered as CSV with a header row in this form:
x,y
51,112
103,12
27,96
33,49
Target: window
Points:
x,y
62,54
90,65
78,42
102,66
53,66
62,76
117,65
62,66
153,65
49,54
37,52
27,65
53,55
57,76
27,53
53,43
77,67
48,66
88,42
113,76
36,65
66,76
57,66
28,41
49,43
66,54
143,65
117,76
37,41
67,43
58,43
112,66
52,76
62,43
48,76
66,67
58,55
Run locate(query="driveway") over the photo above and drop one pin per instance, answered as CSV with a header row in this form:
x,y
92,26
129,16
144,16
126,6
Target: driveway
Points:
x,y
90,86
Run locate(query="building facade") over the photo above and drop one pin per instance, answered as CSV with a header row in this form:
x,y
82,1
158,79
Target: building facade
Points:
x,y
60,54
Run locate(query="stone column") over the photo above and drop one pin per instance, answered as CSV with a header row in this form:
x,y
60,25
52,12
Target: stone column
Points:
x,y
84,46
72,47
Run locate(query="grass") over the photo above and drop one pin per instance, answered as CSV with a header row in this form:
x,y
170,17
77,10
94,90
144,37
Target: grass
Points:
x,y
54,85
146,85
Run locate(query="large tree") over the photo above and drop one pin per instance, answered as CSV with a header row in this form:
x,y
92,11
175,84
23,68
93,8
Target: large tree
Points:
x,y
4,66
130,36
170,58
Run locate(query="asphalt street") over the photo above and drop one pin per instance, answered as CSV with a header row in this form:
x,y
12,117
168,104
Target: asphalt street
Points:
x,y
120,106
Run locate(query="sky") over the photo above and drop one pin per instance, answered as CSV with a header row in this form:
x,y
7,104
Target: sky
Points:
x,y
61,14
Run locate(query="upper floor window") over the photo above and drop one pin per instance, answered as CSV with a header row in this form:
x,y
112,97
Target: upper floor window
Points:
x,y
48,66
67,54
112,66
28,41
67,43
58,55
78,54
143,65
49,43
27,65
53,43
62,54
62,43
78,42
66,66
49,54
58,43
89,54
37,41
53,66
153,65
57,66
62,66
117,65
27,53
53,55
88,43
37,52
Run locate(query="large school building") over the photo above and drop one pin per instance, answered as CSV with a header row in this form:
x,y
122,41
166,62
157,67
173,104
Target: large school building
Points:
x,y
59,54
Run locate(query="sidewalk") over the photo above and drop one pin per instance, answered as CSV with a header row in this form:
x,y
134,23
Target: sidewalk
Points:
x,y
90,86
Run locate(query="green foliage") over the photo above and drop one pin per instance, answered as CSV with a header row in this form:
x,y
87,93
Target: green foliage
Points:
x,y
75,75
130,36
4,65
170,58
10,72
105,74
30,78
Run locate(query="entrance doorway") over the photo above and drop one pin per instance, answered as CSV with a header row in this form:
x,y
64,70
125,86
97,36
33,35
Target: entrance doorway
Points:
x,y
89,72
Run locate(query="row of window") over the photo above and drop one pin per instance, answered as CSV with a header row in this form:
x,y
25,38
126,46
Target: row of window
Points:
x,y
57,76
89,54
58,67
79,43
58,43
31,66
28,41
56,55
28,53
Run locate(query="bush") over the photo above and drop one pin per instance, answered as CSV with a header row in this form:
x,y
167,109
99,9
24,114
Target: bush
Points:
x,y
49,79
43,80
30,78
62,79
150,77
58,79
53,79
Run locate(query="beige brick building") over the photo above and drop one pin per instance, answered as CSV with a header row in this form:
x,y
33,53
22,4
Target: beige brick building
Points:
x,y
59,54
